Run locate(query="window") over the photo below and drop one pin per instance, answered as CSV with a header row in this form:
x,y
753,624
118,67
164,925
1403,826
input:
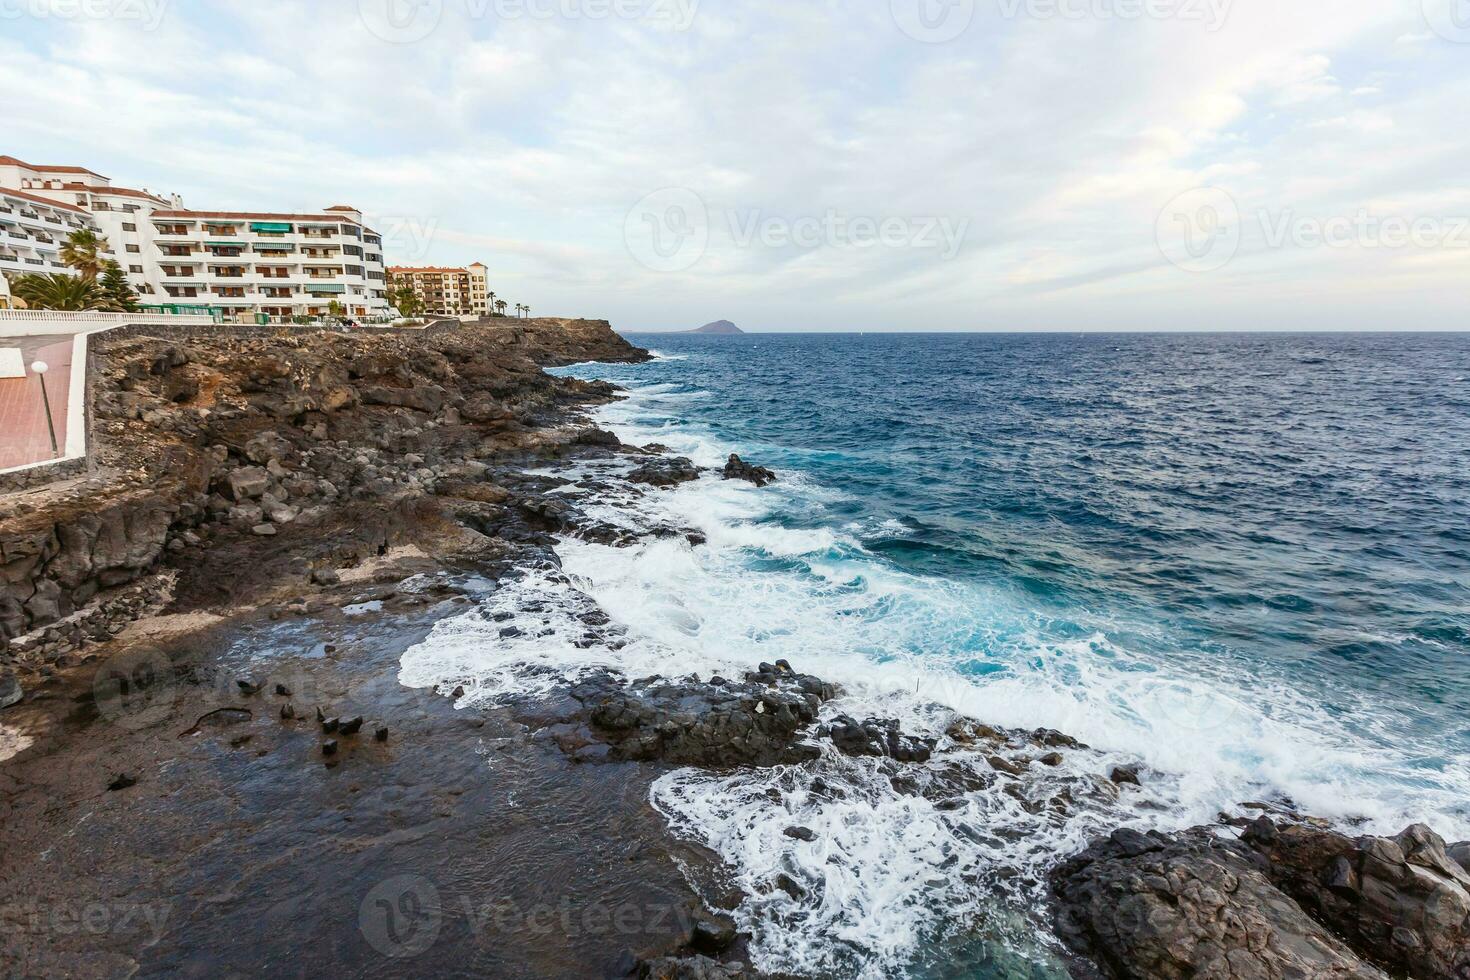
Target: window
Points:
x,y
134,248
127,226
135,268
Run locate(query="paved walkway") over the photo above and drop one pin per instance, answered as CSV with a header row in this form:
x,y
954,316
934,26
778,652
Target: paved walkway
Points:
x,y
24,437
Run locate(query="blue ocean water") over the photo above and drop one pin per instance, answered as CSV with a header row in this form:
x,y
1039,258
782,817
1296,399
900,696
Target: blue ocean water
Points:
x,y
1241,560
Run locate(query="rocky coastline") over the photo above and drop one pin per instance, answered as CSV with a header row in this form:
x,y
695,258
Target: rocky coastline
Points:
x,y
202,730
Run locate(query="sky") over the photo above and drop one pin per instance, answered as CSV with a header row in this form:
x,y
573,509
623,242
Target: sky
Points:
x,y
810,164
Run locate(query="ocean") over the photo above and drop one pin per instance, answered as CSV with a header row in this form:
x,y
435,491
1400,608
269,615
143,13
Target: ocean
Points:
x,y
1241,561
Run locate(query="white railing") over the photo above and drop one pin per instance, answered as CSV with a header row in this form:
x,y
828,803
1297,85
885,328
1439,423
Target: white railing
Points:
x,y
69,321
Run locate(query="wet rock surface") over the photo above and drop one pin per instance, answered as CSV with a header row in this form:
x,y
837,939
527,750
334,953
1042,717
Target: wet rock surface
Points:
x,y
758,721
738,469
1287,900
1148,905
665,472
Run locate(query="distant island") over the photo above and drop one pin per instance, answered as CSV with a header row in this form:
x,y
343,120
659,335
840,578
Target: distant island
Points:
x,y
719,326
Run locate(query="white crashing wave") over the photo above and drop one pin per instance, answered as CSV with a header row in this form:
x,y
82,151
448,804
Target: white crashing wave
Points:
x,y
890,873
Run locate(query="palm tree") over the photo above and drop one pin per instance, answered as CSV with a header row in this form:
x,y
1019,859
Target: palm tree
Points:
x,y
83,252
491,307
500,306
59,292
116,288
527,311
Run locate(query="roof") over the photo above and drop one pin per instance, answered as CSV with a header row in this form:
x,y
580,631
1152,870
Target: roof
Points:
x,y
404,269
43,200
342,207
250,216
12,161
121,191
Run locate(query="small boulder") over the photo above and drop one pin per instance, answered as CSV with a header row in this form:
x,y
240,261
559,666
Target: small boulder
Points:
x,y
738,469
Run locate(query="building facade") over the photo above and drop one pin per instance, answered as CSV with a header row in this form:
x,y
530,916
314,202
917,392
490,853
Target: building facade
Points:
x,y
447,291
253,264
118,214
33,230
242,265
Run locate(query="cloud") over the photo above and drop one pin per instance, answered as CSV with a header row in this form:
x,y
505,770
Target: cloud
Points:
x,y
524,141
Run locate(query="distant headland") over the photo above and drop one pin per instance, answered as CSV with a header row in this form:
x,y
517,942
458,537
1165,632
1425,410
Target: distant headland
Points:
x,y
719,326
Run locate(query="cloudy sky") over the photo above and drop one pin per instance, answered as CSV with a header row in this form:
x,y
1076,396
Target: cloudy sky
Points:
x,y
811,164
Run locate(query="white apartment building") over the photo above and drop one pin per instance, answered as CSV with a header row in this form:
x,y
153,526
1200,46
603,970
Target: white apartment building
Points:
x,y
32,231
254,265
118,214
243,265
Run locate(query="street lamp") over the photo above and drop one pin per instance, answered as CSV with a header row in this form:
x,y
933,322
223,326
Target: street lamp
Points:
x,y
41,367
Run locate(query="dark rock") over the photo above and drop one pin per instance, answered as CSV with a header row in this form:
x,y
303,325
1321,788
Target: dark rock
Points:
x,y
381,734
1125,776
283,691
248,688
800,833
738,469
692,968
879,739
325,576
599,437
121,781
1192,906
329,747
754,723
248,483
1401,902
288,712
790,886
1051,759
665,472
350,726
712,934
1460,854
330,726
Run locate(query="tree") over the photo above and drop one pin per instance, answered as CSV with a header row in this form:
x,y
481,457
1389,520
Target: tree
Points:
x,y
491,307
117,291
408,302
336,310
59,292
83,252
500,306
527,311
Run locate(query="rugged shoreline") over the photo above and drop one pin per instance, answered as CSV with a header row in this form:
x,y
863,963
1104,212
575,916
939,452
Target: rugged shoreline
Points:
x,y
197,763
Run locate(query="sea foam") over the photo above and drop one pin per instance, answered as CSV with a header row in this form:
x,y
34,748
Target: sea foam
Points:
x,y
889,874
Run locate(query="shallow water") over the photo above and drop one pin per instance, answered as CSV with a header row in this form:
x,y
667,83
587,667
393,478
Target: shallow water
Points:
x,y
1241,560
